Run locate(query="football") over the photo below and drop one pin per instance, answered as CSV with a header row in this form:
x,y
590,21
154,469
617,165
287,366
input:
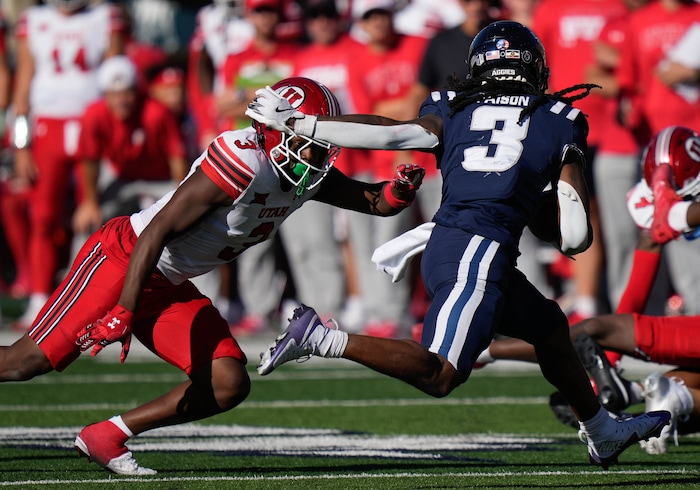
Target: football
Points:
x,y
544,221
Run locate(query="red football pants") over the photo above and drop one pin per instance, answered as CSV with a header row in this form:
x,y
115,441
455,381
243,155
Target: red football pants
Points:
x,y
176,322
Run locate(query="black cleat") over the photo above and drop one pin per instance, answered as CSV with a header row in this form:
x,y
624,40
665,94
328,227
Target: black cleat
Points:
x,y
613,390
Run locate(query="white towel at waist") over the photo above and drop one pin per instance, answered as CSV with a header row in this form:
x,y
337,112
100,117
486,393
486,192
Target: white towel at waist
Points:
x,y
393,256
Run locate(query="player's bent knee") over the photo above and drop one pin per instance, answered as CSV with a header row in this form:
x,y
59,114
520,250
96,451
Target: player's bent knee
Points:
x,y
230,382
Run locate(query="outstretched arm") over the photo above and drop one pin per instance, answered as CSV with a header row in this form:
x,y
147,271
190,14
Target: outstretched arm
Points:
x,y
351,131
382,199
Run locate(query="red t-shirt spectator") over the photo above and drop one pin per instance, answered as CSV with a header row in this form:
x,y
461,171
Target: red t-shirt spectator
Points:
x,y
139,148
253,69
652,31
615,138
330,65
380,77
567,31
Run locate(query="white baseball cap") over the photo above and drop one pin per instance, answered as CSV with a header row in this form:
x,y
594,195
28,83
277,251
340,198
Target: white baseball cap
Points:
x,y
116,73
361,7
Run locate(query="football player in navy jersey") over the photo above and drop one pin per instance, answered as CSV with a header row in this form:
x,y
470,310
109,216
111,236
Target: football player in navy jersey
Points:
x,y
501,142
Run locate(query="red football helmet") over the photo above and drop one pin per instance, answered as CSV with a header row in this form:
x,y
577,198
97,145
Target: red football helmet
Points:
x,y
314,99
680,148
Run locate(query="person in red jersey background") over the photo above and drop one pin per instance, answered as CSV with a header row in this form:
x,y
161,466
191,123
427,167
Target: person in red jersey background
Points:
x,y
59,48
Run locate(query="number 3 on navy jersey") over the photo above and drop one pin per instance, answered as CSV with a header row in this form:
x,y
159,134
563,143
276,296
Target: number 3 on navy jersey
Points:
x,y
505,145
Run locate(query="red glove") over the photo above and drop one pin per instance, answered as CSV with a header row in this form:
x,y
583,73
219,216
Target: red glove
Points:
x,y
114,326
408,177
664,198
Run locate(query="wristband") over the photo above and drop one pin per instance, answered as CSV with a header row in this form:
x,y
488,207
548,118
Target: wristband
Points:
x,y
21,136
394,201
305,126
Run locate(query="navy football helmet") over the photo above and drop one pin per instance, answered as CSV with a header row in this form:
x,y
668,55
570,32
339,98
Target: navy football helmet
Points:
x,y
507,50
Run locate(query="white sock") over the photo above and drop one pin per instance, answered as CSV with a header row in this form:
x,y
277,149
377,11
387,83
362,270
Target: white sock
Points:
x,y
117,420
328,342
485,357
597,425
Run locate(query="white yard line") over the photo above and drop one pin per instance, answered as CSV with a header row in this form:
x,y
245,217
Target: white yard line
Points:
x,y
352,476
403,402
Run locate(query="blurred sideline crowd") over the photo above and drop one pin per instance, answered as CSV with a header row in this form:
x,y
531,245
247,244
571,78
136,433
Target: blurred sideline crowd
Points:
x,y
104,105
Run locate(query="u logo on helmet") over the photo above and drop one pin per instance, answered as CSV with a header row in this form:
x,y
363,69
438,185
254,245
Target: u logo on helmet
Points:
x,y
692,146
294,95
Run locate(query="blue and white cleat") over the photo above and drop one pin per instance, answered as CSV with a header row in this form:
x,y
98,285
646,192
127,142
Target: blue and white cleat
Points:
x,y
294,342
628,431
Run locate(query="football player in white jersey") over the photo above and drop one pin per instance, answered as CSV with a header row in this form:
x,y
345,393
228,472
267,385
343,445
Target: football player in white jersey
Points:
x,y
59,47
221,30
236,194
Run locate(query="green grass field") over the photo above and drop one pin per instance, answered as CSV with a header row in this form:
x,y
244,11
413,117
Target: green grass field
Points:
x,y
321,424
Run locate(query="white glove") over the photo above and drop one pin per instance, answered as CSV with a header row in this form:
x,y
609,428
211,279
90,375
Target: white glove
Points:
x,y
271,109
640,204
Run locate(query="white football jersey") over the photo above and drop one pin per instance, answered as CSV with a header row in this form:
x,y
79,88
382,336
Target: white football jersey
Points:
x,y
222,33
66,49
239,166
640,204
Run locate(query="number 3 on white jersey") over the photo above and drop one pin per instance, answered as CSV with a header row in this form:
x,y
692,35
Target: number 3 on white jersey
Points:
x,y
505,146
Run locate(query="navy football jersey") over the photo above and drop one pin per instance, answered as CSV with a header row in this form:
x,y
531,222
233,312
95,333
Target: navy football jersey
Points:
x,y
495,169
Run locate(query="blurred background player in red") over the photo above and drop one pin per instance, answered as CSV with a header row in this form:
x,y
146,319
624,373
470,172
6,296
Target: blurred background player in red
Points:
x,y
166,84
381,78
59,47
14,194
518,10
616,162
222,29
652,105
131,151
267,59
568,30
